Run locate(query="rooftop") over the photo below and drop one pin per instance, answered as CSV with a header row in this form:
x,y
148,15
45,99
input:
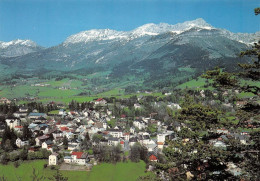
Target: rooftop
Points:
x,y
78,154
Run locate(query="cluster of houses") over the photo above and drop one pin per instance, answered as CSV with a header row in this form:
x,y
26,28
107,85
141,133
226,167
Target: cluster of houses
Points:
x,y
49,131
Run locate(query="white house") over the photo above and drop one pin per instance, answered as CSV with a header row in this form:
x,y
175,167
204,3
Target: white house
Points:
x,y
78,158
109,112
140,124
47,145
62,112
152,146
12,122
113,141
219,144
20,114
160,145
174,106
35,115
132,130
21,142
116,133
100,101
34,127
53,159
69,135
57,134
161,138
105,125
132,141
144,138
39,140
222,131
126,136
73,145
23,109
137,106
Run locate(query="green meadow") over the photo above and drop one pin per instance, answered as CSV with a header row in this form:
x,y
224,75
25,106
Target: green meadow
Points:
x,y
81,89
193,84
103,172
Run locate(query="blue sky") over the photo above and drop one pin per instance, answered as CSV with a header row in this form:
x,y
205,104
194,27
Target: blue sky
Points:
x,y
49,22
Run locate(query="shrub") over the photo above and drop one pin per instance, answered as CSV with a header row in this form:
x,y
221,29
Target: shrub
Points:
x,y
45,165
4,159
16,164
53,167
31,156
13,156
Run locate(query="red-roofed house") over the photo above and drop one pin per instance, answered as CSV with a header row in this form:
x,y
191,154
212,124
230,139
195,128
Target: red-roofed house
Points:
x,y
77,154
79,158
153,158
64,128
123,116
126,136
18,128
122,143
100,101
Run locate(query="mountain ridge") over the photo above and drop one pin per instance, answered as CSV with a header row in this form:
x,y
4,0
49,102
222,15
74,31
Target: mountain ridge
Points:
x,y
152,52
18,47
146,29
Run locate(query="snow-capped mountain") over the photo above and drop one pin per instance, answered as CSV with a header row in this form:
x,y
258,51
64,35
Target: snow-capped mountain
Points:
x,y
17,48
156,29
156,49
150,29
96,35
28,43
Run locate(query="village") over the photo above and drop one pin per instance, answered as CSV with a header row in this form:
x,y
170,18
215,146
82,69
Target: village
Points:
x,y
76,139
75,126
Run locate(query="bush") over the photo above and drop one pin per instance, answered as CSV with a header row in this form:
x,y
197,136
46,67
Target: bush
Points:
x,y
4,159
53,167
45,165
13,157
31,156
23,154
16,164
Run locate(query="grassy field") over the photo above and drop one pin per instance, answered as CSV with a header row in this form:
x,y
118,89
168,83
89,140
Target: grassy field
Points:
x,y
113,92
199,83
245,95
118,172
69,98
62,91
104,172
54,112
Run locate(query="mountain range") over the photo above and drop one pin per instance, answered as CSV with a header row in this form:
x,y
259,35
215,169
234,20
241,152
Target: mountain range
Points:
x,y
152,52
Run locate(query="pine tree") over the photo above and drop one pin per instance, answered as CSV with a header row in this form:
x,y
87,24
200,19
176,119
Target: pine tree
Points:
x,y
26,132
65,142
